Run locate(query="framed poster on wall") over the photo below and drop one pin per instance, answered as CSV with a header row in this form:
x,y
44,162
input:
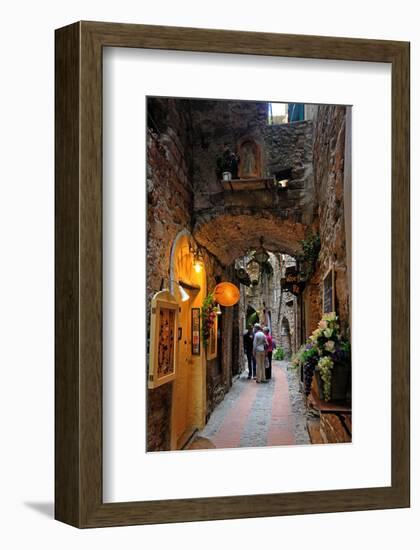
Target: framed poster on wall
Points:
x,y
212,341
84,408
164,334
195,331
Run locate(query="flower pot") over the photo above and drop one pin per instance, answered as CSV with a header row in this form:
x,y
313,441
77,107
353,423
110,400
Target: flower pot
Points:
x,y
340,382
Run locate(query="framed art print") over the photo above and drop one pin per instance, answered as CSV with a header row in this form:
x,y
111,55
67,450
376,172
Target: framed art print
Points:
x,y
212,238
195,331
164,334
212,342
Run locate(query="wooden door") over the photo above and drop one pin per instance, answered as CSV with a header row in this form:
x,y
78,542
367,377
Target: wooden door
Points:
x,y
182,391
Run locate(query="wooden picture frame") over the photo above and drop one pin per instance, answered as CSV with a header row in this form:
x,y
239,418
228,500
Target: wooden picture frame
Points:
x,y
330,289
195,331
78,291
211,352
164,336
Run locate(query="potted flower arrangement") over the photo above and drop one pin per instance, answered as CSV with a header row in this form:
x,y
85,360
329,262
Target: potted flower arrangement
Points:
x,y
325,352
208,317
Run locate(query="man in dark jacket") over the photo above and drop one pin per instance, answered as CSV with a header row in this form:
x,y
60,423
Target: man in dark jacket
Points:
x,y
248,339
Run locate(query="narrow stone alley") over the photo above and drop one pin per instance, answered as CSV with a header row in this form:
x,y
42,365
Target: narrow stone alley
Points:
x,y
258,415
248,258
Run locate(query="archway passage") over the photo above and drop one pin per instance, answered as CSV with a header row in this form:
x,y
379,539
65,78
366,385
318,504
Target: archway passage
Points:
x,y
229,235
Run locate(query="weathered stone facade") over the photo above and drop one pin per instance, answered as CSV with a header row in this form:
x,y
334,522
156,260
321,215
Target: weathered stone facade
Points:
x,y
169,207
287,312
220,370
229,223
329,124
169,186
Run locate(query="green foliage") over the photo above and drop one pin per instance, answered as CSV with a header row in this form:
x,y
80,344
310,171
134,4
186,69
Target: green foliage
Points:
x,y
278,354
310,247
305,354
208,317
309,354
252,319
325,366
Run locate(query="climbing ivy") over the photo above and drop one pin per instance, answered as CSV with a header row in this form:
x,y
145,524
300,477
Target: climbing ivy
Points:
x,y
310,247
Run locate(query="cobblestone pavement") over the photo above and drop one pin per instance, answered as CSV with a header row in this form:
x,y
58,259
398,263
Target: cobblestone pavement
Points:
x,y
297,404
259,415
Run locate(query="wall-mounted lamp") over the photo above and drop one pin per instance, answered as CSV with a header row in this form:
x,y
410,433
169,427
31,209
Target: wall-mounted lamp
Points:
x,y
198,265
184,294
198,260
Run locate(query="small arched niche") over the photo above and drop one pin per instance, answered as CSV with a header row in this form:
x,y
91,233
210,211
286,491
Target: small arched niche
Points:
x,y
249,159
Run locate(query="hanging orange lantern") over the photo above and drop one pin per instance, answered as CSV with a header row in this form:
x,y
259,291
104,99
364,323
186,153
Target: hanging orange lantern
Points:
x,y
226,294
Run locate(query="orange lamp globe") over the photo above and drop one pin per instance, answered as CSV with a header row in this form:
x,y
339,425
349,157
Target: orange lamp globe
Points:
x,y
226,294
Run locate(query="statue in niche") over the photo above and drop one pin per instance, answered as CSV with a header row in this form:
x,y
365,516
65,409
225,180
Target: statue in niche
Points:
x,y
250,159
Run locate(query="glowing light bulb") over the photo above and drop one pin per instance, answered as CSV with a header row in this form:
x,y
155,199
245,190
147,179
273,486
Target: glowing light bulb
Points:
x,y
198,267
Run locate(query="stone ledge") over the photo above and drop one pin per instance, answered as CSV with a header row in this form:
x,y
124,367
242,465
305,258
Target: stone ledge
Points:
x,y
247,184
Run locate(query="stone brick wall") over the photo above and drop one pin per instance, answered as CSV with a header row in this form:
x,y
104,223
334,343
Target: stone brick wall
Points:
x,y
290,146
214,124
312,298
169,208
286,312
283,146
328,159
159,405
229,223
169,186
220,370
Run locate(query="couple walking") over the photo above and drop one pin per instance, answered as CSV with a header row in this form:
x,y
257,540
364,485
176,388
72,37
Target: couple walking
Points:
x,y
258,346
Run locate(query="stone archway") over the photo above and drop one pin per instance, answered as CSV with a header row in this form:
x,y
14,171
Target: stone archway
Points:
x,y
230,233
